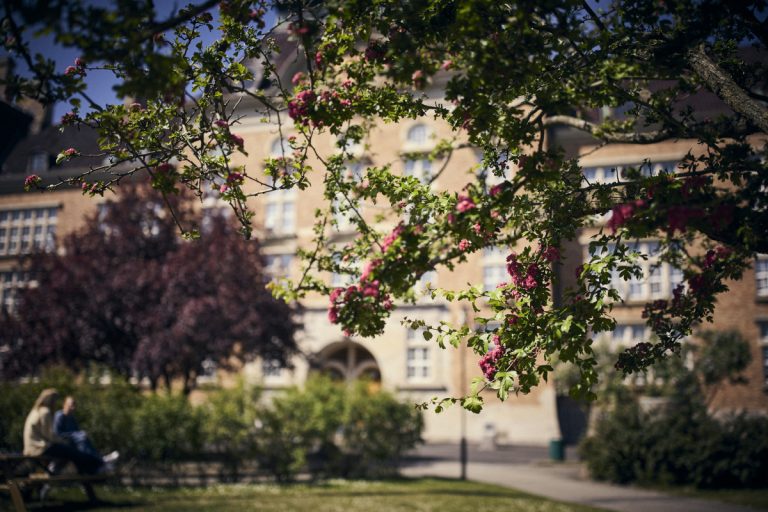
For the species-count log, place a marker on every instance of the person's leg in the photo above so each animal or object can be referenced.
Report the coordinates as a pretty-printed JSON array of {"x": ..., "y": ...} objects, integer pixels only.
[
  {"x": 83, "y": 443},
  {"x": 84, "y": 462}
]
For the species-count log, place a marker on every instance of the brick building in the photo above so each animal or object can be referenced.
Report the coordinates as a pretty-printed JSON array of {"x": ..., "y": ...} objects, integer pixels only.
[{"x": 399, "y": 359}]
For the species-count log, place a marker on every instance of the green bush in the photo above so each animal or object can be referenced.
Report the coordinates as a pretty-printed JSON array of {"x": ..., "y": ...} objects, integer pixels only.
[
  {"x": 681, "y": 445},
  {"x": 167, "y": 428},
  {"x": 336, "y": 429}
]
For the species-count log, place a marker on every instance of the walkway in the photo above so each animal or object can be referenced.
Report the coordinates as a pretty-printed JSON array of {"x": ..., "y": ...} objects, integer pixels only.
[{"x": 561, "y": 482}]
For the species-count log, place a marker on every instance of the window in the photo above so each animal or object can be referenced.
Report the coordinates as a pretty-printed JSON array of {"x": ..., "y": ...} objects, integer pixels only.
[
  {"x": 271, "y": 368},
  {"x": 627, "y": 335},
  {"x": 658, "y": 278},
  {"x": 10, "y": 282},
  {"x": 207, "y": 373},
  {"x": 427, "y": 278},
  {"x": 280, "y": 148},
  {"x": 23, "y": 230},
  {"x": 278, "y": 265},
  {"x": 417, "y": 135},
  {"x": 486, "y": 173},
  {"x": 763, "y": 326},
  {"x": 280, "y": 217},
  {"x": 343, "y": 214},
  {"x": 610, "y": 174},
  {"x": 761, "y": 275},
  {"x": 765, "y": 366},
  {"x": 494, "y": 267},
  {"x": 38, "y": 162},
  {"x": 418, "y": 357},
  {"x": 420, "y": 168}
]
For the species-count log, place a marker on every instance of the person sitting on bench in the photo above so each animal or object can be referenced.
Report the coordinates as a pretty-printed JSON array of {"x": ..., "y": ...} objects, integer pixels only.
[
  {"x": 40, "y": 440},
  {"x": 66, "y": 427}
]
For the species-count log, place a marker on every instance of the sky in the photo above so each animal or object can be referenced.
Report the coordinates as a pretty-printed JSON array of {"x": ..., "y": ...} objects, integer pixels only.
[{"x": 100, "y": 83}]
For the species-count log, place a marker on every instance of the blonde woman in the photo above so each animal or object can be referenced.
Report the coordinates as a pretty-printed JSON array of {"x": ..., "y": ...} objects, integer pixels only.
[{"x": 39, "y": 438}]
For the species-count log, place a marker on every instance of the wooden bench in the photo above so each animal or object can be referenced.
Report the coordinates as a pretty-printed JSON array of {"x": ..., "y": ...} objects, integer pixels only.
[{"x": 22, "y": 474}]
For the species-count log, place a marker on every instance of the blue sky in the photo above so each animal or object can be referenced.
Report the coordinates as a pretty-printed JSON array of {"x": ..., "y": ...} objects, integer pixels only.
[{"x": 100, "y": 83}]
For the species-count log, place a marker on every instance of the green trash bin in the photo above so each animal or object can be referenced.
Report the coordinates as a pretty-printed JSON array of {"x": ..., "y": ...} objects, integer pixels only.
[{"x": 557, "y": 450}]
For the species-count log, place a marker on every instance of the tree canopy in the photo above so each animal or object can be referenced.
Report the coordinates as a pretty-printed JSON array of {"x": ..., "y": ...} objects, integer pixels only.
[
  {"x": 126, "y": 292},
  {"x": 510, "y": 72}
]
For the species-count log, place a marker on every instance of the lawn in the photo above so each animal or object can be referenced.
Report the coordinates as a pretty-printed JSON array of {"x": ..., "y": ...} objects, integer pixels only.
[
  {"x": 755, "y": 498},
  {"x": 417, "y": 495}
]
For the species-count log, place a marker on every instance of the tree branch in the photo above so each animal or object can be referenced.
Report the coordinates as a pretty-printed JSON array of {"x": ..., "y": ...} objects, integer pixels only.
[
  {"x": 593, "y": 128},
  {"x": 721, "y": 83}
]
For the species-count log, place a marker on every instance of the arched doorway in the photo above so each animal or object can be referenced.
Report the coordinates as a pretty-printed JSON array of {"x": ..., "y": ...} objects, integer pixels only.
[{"x": 346, "y": 361}]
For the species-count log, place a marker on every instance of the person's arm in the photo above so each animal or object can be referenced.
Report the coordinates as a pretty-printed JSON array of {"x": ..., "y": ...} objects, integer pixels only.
[
  {"x": 58, "y": 423},
  {"x": 47, "y": 428}
]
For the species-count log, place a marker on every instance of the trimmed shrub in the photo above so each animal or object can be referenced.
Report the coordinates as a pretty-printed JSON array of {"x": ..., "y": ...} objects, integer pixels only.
[
  {"x": 336, "y": 429},
  {"x": 680, "y": 446}
]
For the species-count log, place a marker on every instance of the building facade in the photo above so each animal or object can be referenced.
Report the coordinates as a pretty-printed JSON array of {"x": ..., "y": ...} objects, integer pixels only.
[{"x": 400, "y": 360}]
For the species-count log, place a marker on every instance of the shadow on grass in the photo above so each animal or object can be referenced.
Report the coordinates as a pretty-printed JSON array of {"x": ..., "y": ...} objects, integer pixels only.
[{"x": 74, "y": 506}]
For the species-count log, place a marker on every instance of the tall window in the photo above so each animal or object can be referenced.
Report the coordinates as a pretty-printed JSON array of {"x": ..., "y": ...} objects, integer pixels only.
[
  {"x": 763, "y": 326},
  {"x": 494, "y": 267},
  {"x": 278, "y": 265},
  {"x": 10, "y": 282},
  {"x": 418, "y": 357},
  {"x": 280, "y": 215},
  {"x": 761, "y": 275},
  {"x": 658, "y": 278},
  {"x": 23, "y": 230},
  {"x": 417, "y": 135},
  {"x": 420, "y": 168},
  {"x": 343, "y": 214}
]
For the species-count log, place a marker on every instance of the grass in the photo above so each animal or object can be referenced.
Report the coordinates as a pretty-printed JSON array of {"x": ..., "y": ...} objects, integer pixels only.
[
  {"x": 755, "y": 498},
  {"x": 407, "y": 495}
]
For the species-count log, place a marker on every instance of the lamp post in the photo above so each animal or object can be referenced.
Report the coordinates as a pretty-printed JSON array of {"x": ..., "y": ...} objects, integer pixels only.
[{"x": 463, "y": 412}]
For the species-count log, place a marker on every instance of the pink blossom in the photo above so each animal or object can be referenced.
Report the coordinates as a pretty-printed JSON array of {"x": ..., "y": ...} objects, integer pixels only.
[
  {"x": 551, "y": 253},
  {"x": 579, "y": 271},
  {"x": 464, "y": 244},
  {"x": 417, "y": 75},
  {"x": 497, "y": 189},
  {"x": 512, "y": 319},
  {"x": 369, "y": 267},
  {"x": 679, "y": 216},
  {"x": 319, "y": 59},
  {"x": 221, "y": 123},
  {"x": 298, "y": 77},
  {"x": 446, "y": 65},
  {"x": 465, "y": 203},
  {"x": 620, "y": 215},
  {"x": 390, "y": 238},
  {"x": 335, "y": 294},
  {"x": 79, "y": 62},
  {"x": 333, "y": 315},
  {"x": 69, "y": 118},
  {"x": 33, "y": 180},
  {"x": 224, "y": 188},
  {"x": 71, "y": 70},
  {"x": 371, "y": 289},
  {"x": 70, "y": 152},
  {"x": 236, "y": 140},
  {"x": 451, "y": 218},
  {"x": 477, "y": 228},
  {"x": 714, "y": 255},
  {"x": 347, "y": 84}
]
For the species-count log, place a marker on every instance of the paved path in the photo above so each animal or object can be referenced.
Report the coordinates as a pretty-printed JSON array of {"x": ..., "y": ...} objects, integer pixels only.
[{"x": 563, "y": 482}]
